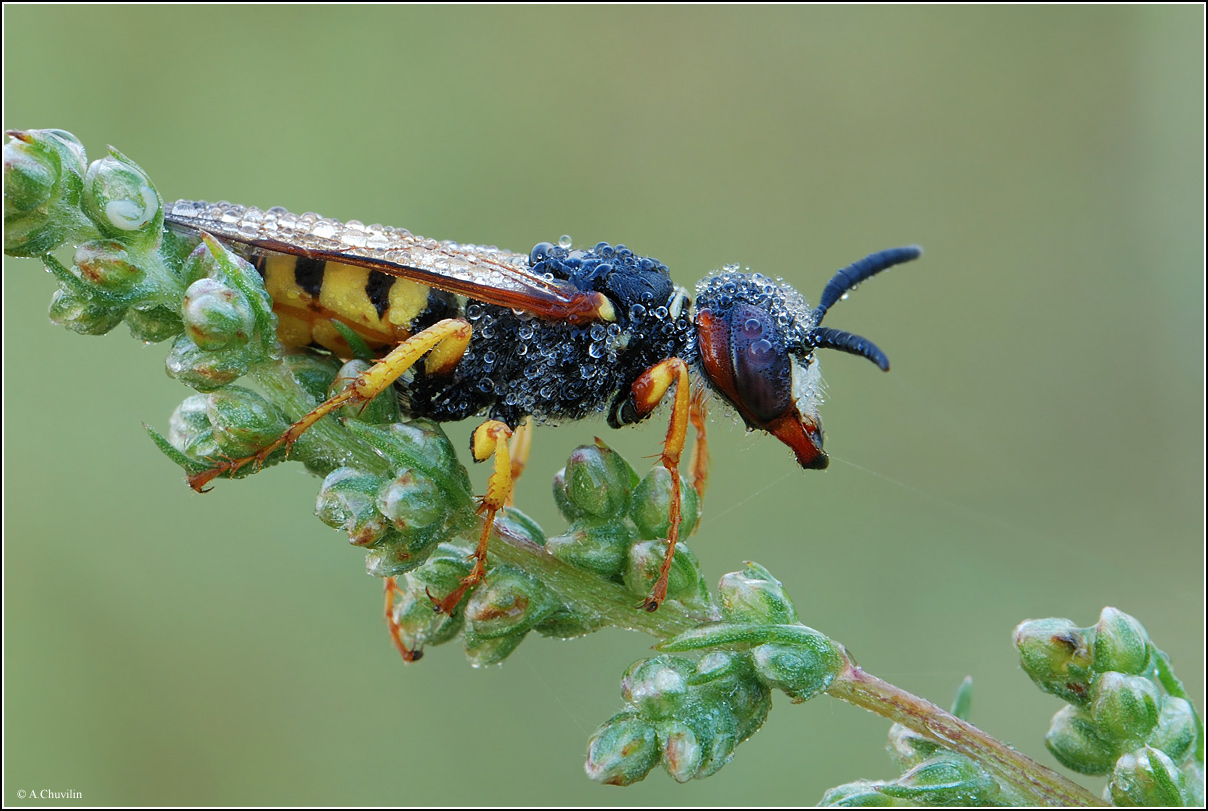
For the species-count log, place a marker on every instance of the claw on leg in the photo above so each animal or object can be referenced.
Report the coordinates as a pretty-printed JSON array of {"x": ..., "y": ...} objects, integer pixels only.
[
  {"x": 490, "y": 439},
  {"x": 396, "y": 633},
  {"x": 648, "y": 391}
]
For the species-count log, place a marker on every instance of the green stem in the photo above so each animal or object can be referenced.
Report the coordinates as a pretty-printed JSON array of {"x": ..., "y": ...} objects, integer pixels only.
[
  {"x": 612, "y": 605},
  {"x": 1037, "y": 784},
  {"x": 606, "y": 604}
]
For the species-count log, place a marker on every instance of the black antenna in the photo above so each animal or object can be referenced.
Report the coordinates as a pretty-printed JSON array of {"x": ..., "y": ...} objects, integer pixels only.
[
  {"x": 826, "y": 338},
  {"x": 847, "y": 278},
  {"x": 840, "y": 284}
]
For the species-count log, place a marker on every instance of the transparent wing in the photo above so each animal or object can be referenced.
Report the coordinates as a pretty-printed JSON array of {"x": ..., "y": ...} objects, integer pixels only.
[{"x": 482, "y": 273}]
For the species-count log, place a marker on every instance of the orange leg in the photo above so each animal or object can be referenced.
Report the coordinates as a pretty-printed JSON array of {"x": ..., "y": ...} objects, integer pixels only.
[
  {"x": 490, "y": 439},
  {"x": 445, "y": 341},
  {"x": 648, "y": 392},
  {"x": 699, "y": 462},
  {"x": 396, "y": 634}
]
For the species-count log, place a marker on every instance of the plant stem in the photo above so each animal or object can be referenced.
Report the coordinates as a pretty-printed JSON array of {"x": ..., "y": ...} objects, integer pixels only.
[
  {"x": 612, "y": 605},
  {"x": 605, "y": 604},
  {"x": 1036, "y": 783}
]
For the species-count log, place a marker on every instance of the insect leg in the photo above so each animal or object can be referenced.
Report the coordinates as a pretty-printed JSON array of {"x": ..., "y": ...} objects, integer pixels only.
[
  {"x": 647, "y": 392},
  {"x": 490, "y": 439},
  {"x": 445, "y": 341},
  {"x": 698, "y": 463},
  {"x": 396, "y": 633},
  {"x": 519, "y": 447}
]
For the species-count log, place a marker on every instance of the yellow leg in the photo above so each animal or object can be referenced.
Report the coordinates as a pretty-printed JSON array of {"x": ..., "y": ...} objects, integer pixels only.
[
  {"x": 648, "y": 390},
  {"x": 446, "y": 340},
  {"x": 490, "y": 439},
  {"x": 519, "y": 447}
]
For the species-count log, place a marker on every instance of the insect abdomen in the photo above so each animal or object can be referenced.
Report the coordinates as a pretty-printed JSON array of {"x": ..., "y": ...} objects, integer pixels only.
[{"x": 309, "y": 293}]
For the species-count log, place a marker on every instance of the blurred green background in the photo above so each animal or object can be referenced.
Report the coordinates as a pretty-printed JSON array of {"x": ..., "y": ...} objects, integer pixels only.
[{"x": 1038, "y": 449}]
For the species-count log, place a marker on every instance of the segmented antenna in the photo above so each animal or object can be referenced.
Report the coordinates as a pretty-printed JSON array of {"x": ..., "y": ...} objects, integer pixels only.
[
  {"x": 850, "y": 276},
  {"x": 839, "y": 285},
  {"x": 825, "y": 338}
]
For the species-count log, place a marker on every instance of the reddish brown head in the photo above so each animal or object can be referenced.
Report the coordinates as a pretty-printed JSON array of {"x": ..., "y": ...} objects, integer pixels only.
[{"x": 756, "y": 338}]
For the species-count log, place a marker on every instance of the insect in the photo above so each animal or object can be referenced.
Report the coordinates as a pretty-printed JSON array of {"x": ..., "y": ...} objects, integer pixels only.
[{"x": 556, "y": 334}]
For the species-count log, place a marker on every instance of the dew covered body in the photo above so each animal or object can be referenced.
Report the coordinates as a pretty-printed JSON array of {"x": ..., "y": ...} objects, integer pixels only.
[
  {"x": 518, "y": 363},
  {"x": 557, "y": 333}
]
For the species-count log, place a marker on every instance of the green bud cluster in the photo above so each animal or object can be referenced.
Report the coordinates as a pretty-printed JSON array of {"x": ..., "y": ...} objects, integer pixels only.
[
  {"x": 688, "y": 716},
  {"x": 619, "y": 524},
  {"x": 229, "y": 325},
  {"x": 1126, "y": 714},
  {"x": 759, "y": 618},
  {"x": 931, "y": 774},
  {"x": 691, "y": 716},
  {"x": 400, "y": 517},
  {"x": 125, "y": 266}
]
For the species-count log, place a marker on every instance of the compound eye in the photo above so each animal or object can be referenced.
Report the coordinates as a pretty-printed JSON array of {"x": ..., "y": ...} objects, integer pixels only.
[{"x": 763, "y": 372}]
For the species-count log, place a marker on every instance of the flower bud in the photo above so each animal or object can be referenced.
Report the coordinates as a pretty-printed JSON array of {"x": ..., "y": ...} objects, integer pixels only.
[
  {"x": 700, "y": 743},
  {"x": 398, "y": 553},
  {"x": 601, "y": 548},
  {"x": 753, "y": 595},
  {"x": 1124, "y": 708},
  {"x": 348, "y": 501},
  {"x": 30, "y": 175},
  {"x": 190, "y": 431},
  {"x": 441, "y": 573},
  {"x": 1121, "y": 643},
  {"x": 244, "y": 422},
  {"x": 861, "y": 794},
  {"x": 217, "y": 316},
  {"x": 1074, "y": 740},
  {"x": 1147, "y": 777},
  {"x": 651, "y": 508},
  {"x": 509, "y": 602},
  {"x": 412, "y": 501},
  {"x": 658, "y": 687},
  {"x": 622, "y": 751},
  {"x": 945, "y": 780},
  {"x": 83, "y": 314},
  {"x": 201, "y": 369},
  {"x": 731, "y": 677},
  {"x": 485, "y": 652},
  {"x": 107, "y": 267},
  {"x": 43, "y": 174},
  {"x": 1056, "y": 654},
  {"x": 154, "y": 324},
  {"x": 418, "y": 624},
  {"x": 685, "y": 582},
  {"x": 419, "y": 445},
  {"x": 802, "y": 670},
  {"x": 1176, "y": 732},
  {"x": 596, "y": 483},
  {"x": 119, "y": 197}
]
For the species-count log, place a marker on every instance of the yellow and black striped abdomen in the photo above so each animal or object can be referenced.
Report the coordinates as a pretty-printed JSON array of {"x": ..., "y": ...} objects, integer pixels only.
[{"x": 309, "y": 293}]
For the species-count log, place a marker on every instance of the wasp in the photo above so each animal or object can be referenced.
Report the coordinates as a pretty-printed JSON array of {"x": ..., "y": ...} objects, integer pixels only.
[{"x": 557, "y": 334}]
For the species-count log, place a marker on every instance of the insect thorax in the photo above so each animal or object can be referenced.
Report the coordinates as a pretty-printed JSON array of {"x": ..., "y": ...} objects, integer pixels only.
[{"x": 517, "y": 364}]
